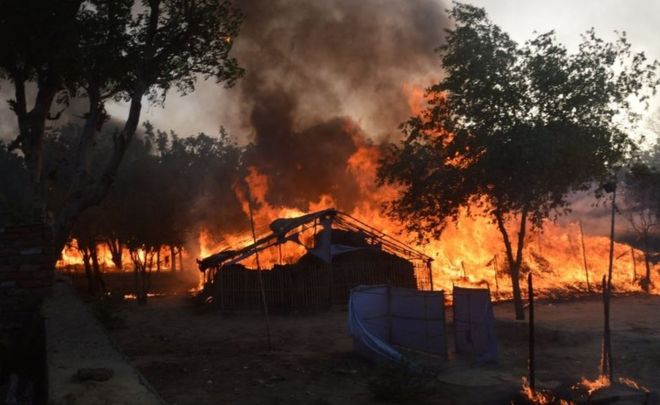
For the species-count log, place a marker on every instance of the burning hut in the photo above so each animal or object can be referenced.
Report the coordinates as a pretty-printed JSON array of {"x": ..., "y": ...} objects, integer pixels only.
[{"x": 336, "y": 252}]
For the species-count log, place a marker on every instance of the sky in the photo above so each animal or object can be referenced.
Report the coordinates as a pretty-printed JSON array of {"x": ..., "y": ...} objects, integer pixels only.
[{"x": 212, "y": 106}]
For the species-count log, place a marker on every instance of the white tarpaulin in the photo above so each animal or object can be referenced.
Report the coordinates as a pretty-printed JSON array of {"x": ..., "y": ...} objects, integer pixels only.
[{"x": 383, "y": 317}]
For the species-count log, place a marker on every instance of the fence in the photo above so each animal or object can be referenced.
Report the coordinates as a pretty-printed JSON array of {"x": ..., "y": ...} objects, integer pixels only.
[{"x": 381, "y": 317}]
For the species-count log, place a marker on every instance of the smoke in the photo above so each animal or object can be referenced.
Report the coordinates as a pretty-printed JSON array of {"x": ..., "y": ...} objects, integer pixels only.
[{"x": 324, "y": 77}]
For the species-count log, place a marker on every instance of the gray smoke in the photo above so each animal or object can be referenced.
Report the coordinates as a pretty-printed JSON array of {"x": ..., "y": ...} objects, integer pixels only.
[{"x": 316, "y": 67}]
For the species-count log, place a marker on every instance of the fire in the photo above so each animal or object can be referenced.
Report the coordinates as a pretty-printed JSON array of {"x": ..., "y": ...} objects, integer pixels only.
[
  {"x": 469, "y": 252},
  {"x": 592, "y": 386},
  {"x": 541, "y": 397},
  {"x": 633, "y": 384},
  {"x": 72, "y": 257}
]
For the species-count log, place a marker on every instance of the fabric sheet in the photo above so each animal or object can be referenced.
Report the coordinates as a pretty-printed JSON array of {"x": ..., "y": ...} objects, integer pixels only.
[
  {"x": 382, "y": 318},
  {"x": 474, "y": 324}
]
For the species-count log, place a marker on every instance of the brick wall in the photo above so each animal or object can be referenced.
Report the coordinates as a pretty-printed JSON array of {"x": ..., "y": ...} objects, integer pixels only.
[{"x": 26, "y": 273}]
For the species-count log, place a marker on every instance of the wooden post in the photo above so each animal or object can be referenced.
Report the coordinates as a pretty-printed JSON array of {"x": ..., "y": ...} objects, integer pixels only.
[
  {"x": 606, "y": 355},
  {"x": 532, "y": 365},
  {"x": 497, "y": 286},
  {"x": 259, "y": 276},
  {"x": 172, "y": 258},
  {"x": 611, "y": 264},
  {"x": 634, "y": 264},
  {"x": 428, "y": 265},
  {"x": 584, "y": 257}
]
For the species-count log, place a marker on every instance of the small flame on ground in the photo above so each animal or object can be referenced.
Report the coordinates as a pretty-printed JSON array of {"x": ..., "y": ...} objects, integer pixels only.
[
  {"x": 541, "y": 397},
  {"x": 633, "y": 384},
  {"x": 592, "y": 386},
  {"x": 131, "y": 297}
]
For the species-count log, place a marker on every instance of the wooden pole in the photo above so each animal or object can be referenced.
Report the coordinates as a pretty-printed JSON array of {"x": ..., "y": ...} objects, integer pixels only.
[
  {"x": 584, "y": 257},
  {"x": 606, "y": 356},
  {"x": 430, "y": 268},
  {"x": 532, "y": 365},
  {"x": 634, "y": 264},
  {"x": 259, "y": 276},
  {"x": 611, "y": 264},
  {"x": 496, "y": 268},
  {"x": 606, "y": 366}
]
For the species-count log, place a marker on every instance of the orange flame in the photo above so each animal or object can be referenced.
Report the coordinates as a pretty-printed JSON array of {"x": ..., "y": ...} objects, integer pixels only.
[
  {"x": 469, "y": 252},
  {"x": 541, "y": 397}
]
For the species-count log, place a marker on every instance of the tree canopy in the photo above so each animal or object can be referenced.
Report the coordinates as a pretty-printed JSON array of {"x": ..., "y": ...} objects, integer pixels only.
[
  {"x": 101, "y": 51},
  {"x": 640, "y": 205},
  {"x": 511, "y": 130}
]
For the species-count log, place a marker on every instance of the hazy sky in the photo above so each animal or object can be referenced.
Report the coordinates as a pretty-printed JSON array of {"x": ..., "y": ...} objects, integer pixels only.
[{"x": 211, "y": 106}]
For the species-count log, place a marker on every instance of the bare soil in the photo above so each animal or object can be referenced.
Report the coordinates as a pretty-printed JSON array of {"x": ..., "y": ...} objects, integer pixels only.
[{"x": 194, "y": 355}]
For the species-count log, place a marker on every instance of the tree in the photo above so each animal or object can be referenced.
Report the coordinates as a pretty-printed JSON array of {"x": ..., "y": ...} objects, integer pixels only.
[
  {"x": 15, "y": 193},
  {"x": 104, "y": 50},
  {"x": 162, "y": 187},
  {"x": 511, "y": 130},
  {"x": 641, "y": 204}
]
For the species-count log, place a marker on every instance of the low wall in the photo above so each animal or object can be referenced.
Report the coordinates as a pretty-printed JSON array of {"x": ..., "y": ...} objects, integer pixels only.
[
  {"x": 26, "y": 273},
  {"x": 26, "y": 278}
]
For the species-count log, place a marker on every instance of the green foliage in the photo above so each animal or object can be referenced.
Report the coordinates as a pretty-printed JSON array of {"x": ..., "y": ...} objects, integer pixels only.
[
  {"x": 104, "y": 50},
  {"x": 514, "y": 129},
  {"x": 640, "y": 204},
  {"x": 15, "y": 193},
  {"x": 167, "y": 184}
]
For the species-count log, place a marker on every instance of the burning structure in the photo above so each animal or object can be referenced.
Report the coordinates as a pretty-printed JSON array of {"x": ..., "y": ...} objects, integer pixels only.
[{"x": 336, "y": 253}]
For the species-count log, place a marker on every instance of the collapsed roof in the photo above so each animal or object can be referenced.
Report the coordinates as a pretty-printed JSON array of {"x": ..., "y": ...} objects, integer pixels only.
[{"x": 284, "y": 230}]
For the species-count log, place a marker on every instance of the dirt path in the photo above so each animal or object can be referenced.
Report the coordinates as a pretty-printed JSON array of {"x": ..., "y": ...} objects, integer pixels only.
[{"x": 207, "y": 358}]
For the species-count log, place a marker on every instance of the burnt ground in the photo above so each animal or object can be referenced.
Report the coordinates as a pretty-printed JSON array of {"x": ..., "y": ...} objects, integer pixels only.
[{"x": 200, "y": 356}]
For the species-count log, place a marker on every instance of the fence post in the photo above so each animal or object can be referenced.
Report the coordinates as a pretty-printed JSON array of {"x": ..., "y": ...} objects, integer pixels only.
[{"x": 532, "y": 365}]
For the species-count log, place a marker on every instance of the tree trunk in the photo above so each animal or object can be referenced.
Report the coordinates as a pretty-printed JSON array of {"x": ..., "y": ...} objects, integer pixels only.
[
  {"x": 115, "y": 252},
  {"x": 172, "y": 258},
  {"x": 158, "y": 260},
  {"x": 514, "y": 262},
  {"x": 99, "y": 284},
  {"x": 181, "y": 258},
  {"x": 88, "y": 271},
  {"x": 139, "y": 268},
  {"x": 31, "y": 127},
  {"x": 647, "y": 282},
  {"x": 85, "y": 194}
]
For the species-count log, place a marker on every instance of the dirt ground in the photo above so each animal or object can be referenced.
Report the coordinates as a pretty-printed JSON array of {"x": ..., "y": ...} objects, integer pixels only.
[{"x": 194, "y": 356}]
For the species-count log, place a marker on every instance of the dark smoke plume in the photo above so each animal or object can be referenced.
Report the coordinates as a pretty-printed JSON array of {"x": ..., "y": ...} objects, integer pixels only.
[{"x": 316, "y": 68}]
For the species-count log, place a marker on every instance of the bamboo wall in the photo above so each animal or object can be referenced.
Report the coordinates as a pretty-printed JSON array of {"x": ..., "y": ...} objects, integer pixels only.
[{"x": 311, "y": 285}]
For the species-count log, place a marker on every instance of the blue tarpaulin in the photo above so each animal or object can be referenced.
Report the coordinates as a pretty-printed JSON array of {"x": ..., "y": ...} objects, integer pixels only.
[
  {"x": 474, "y": 324},
  {"x": 382, "y": 318}
]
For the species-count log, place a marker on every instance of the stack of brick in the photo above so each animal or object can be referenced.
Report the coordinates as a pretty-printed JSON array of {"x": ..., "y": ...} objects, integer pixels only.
[{"x": 26, "y": 273}]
